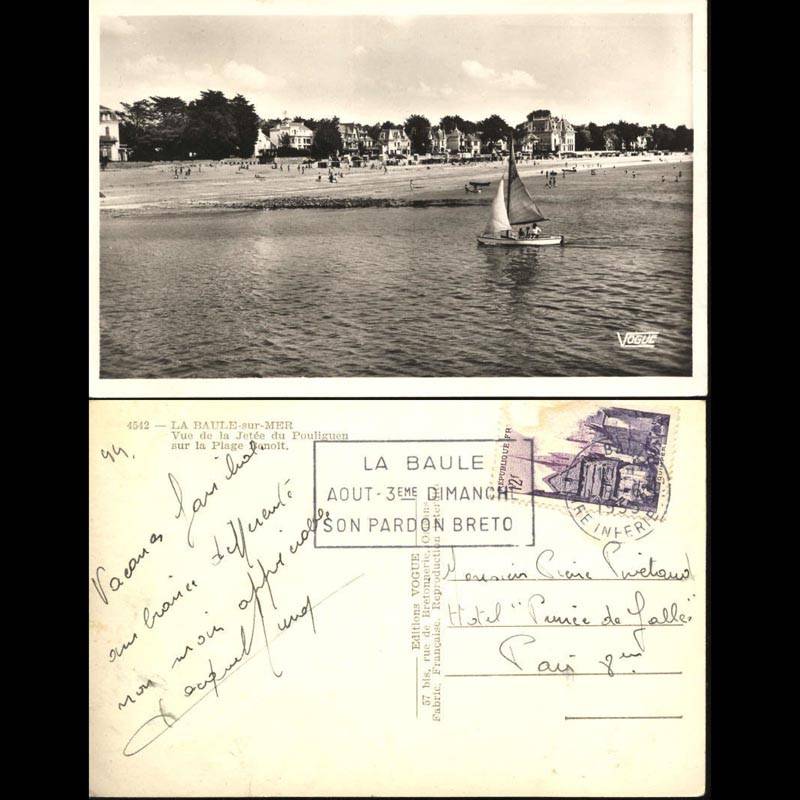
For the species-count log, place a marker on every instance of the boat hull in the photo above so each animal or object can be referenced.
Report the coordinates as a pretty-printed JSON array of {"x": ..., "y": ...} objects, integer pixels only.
[{"x": 539, "y": 241}]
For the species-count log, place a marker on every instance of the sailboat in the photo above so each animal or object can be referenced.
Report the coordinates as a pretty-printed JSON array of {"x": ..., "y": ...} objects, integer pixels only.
[{"x": 514, "y": 206}]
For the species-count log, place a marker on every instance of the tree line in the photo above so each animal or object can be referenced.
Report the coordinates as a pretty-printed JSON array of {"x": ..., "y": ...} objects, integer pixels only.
[
  {"x": 214, "y": 126},
  {"x": 169, "y": 128},
  {"x": 624, "y": 136}
]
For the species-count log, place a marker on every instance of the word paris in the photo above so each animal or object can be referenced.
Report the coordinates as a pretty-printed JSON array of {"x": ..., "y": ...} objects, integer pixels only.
[{"x": 414, "y": 463}]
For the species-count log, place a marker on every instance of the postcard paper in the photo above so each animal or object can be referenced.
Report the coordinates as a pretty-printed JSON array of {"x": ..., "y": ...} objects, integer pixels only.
[
  {"x": 307, "y": 199},
  {"x": 418, "y": 598}
]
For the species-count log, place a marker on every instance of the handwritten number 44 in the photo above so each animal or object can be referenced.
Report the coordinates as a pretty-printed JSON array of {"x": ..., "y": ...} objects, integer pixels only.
[{"x": 115, "y": 452}]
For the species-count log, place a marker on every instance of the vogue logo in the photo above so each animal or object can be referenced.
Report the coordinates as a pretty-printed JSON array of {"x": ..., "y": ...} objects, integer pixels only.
[{"x": 637, "y": 339}]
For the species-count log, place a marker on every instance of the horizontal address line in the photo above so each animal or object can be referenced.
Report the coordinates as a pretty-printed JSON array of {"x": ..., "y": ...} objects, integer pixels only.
[
  {"x": 489, "y": 625},
  {"x": 557, "y": 580},
  {"x": 552, "y": 674},
  {"x": 643, "y": 717}
]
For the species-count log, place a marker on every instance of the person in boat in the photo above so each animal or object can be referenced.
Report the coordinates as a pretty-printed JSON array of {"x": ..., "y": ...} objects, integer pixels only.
[{"x": 534, "y": 231}]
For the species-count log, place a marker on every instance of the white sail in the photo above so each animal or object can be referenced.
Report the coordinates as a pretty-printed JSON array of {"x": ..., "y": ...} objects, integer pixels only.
[{"x": 498, "y": 221}]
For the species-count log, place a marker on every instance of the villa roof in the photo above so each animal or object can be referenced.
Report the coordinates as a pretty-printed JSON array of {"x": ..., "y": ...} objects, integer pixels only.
[{"x": 290, "y": 123}]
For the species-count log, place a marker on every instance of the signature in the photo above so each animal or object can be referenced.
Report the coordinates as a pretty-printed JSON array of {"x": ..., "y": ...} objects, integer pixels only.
[
  {"x": 265, "y": 624},
  {"x": 157, "y": 725}
]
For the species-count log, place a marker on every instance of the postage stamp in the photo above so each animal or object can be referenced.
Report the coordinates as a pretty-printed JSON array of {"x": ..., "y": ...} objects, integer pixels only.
[{"x": 608, "y": 471}]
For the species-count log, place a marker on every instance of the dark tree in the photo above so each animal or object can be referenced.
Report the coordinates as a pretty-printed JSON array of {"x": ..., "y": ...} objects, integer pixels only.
[
  {"x": 493, "y": 128},
  {"x": 684, "y": 138},
  {"x": 417, "y": 129},
  {"x": 169, "y": 134},
  {"x": 596, "y": 134},
  {"x": 448, "y": 122},
  {"x": 139, "y": 119},
  {"x": 451, "y": 122},
  {"x": 327, "y": 139},
  {"x": 663, "y": 138},
  {"x": 245, "y": 122},
  {"x": 211, "y": 132},
  {"x": 583, "y": 138},
  {"x": 161, "y": 128},
  {"x": 628, "y": 133},
  {"x": 611, "y": 140}
]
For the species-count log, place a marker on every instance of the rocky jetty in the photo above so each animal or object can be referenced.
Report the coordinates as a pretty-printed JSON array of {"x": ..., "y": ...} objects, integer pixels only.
[{"x": 279, "y": 203}]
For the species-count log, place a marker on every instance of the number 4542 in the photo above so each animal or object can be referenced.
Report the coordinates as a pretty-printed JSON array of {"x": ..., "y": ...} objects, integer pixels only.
[{"x": 138, "y": 425}]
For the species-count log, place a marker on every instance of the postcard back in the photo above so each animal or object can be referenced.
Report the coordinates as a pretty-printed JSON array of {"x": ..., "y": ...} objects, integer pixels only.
[{"x": 416, "y": 597}]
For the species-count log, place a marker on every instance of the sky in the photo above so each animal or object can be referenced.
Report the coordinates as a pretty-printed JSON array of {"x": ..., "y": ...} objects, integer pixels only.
[{"x": 587, "y": 68}]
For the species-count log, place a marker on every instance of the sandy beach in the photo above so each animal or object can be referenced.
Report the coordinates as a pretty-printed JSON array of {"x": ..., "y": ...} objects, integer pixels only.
[{"x": 136, "y": 189}]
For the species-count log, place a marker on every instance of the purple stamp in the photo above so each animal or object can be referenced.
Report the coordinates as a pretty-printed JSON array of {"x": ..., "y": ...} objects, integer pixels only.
[{"x": 608, "y": 471}]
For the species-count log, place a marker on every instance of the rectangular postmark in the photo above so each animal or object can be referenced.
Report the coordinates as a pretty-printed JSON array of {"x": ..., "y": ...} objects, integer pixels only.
[{"x": 424, "y": 493}]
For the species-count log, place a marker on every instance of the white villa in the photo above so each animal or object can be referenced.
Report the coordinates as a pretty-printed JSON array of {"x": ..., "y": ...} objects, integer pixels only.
[
  {"x": 300, "y": 137},
  {"x": 355, "y": 138},
  {"x": 468, "y": 144},
  {"x": 528, "y": 145},
  {"x": 438, "y": 140},
  {"x": 110, "y": 146},
  {"x": 394, "y": 142},
  {"x": 645, "y": 140},
  {"x": 263, "y": 145},
  {"x": 472, "y": 144},
  {"x": 553, "y": 134}
]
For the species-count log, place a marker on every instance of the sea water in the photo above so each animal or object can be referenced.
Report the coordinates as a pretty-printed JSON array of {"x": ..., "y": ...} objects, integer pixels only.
[{"x": 404, "y": 291}]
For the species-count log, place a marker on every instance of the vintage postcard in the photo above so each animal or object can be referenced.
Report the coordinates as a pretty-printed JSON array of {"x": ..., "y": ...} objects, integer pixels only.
[
  {"x": 355, "y": 199},
  {"x": 419, "y": 598}
]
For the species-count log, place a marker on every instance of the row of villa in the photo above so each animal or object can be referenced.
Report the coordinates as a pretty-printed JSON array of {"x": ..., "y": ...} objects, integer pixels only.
[
  {"x": 392, "y": 142},
  {"x": 543, "y": 133}
]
